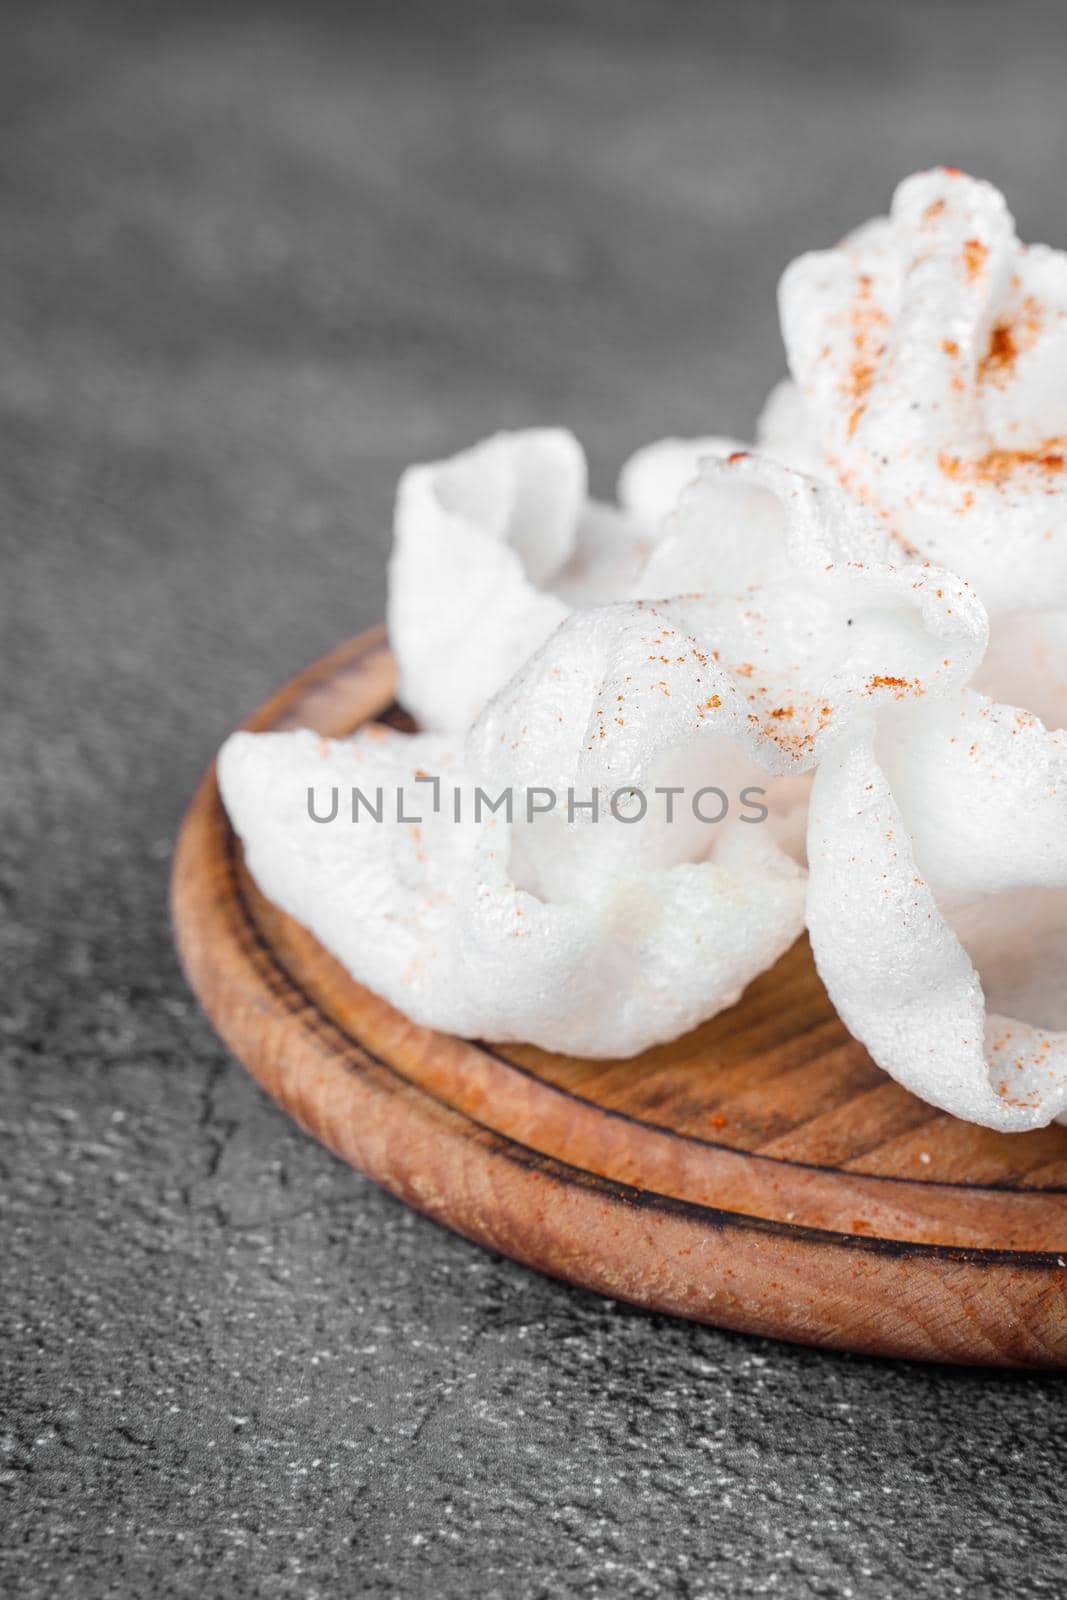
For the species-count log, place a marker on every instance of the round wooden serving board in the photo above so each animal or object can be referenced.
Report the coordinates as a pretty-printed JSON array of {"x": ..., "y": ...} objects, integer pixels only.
[{"x": 759, "y": 1174}]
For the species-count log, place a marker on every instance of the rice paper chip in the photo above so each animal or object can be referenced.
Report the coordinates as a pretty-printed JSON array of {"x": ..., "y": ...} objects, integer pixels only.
[
  {"x": 475, "y": 540},
  {"x": 622, "y": 700},
  {"x": 436, "y": 916},
  {"x": 604, "y": 936},
  {"x": 785, "y": 593},
  {"x": 937, "y": 904},
  {"x": 386, "y": 886},
  {"x": 654, "y": 477},
  {"x": 494, "y": 547},
  {"x": 930, "y": 348},
  {"x": 785, "y": 430},
  {"x": 731, "y": 690}
]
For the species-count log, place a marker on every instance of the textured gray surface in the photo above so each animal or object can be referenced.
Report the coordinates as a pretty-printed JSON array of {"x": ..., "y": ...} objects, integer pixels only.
[{"x": 252, "y": 263}]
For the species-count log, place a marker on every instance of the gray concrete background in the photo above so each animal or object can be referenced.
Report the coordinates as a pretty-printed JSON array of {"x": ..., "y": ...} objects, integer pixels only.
[{"x": 252, "y": 262}]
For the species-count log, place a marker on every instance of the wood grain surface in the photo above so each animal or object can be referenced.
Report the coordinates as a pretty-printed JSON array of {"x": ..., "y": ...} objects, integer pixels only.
[{"x": 760, "y": 1173}]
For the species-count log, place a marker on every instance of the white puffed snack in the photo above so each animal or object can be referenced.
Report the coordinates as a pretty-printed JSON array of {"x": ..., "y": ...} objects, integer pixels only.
[
  {"x": 652, "y": 480},
  {"x": 605, "y": 936},
  {"x": 603, "y": 831},
  {"x": 937, "y": 903},
  {"x": 494, "y": 547},
  {"x": 930, "y": 349},
  {"x": 451, "y": 923},
  {"x": 798, "y": 625},
  {"x": 476, "y": 539},
  {"x": 790, "y": 586}
]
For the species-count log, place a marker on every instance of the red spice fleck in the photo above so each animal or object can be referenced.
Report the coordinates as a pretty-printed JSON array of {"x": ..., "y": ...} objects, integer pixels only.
[
  {"x": 975, "y": 256},
  {"x": 997, "y": 466},
  {"x": 1007, "y": 343},
  {"x": 717, "y": 1120},
  {"x": 738, "y": 455},
  {"x": 865, "y": 317},
  {"x": 1002, "y": 350}
]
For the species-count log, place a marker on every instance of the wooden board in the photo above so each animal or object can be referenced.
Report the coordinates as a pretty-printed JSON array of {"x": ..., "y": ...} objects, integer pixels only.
[{"x": 758, "y": 1174}]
